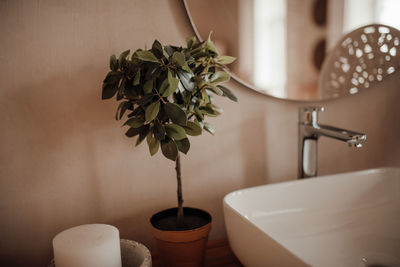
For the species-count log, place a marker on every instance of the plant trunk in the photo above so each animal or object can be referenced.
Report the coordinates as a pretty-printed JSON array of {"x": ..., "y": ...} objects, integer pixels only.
[{"x": 180, "y": 218}]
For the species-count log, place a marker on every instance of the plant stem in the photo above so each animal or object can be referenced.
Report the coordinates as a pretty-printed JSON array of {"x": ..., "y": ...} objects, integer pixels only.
[
  {"x": 180, "y": 218},
  {"x": 161, "y": 98}
]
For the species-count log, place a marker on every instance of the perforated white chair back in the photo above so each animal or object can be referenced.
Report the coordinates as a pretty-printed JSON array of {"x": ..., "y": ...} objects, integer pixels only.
[{"x": 361, "y": 58}]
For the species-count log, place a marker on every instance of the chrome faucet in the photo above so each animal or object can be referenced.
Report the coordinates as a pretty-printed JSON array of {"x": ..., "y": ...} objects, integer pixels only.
[{"x": 309, "y": 132}]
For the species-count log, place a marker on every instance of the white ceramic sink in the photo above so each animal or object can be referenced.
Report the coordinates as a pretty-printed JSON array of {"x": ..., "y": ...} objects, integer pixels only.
[{"x": 350, "y": 219}]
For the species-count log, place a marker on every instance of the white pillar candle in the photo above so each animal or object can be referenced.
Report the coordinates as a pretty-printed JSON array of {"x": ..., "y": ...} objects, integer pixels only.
[{"x": 90, "y": 245}]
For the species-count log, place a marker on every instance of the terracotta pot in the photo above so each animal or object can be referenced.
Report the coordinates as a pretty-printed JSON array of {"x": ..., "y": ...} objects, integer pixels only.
[{"x": 182, "y": 247}]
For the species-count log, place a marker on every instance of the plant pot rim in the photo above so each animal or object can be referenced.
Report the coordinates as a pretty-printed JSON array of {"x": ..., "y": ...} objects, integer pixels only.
[
  {"x": 181, "y": 236},
  {"x": 206, "y": 215}
]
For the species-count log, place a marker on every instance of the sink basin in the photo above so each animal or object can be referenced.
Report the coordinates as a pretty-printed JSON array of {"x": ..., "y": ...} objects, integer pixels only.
[{"x": 349, "y": 219}]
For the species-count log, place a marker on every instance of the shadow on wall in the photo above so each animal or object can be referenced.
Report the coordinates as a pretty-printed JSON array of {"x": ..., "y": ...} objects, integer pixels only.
[{"x": 48, "y": 162}]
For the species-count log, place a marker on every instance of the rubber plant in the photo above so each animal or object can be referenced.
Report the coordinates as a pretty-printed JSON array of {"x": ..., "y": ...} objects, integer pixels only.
[{"x": 167, "y": 93}]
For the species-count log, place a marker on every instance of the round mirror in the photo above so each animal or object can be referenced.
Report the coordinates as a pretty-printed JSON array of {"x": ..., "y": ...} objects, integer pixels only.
[{"x": 281, "y": 45}]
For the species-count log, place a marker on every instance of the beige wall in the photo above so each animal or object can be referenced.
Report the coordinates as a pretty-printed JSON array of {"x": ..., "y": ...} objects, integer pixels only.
[{"x": 64, "y": 161}]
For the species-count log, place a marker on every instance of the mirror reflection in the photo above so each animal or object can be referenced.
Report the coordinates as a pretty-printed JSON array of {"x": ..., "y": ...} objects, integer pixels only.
[{"x": 281, "y": 44}]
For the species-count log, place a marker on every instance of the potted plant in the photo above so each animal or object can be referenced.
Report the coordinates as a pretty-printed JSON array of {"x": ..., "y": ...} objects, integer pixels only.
[{"x": 167, "y": 92}]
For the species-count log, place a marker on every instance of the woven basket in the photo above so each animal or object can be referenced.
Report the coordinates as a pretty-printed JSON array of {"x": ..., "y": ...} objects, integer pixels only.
[{"x": 133, "y": 254}]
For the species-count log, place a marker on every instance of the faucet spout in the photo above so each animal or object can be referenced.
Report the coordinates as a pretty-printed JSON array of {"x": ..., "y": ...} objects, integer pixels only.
[
  {"x": 353, "y": 139},
  {"x": 310, "y": 131}
]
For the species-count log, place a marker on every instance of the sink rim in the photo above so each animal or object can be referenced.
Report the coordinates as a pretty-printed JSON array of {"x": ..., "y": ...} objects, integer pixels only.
[{"x": 318, "y": 179}]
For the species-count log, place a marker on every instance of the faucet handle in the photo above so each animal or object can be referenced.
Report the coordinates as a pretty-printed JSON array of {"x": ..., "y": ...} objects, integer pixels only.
[{"x": 309, "y": 115}]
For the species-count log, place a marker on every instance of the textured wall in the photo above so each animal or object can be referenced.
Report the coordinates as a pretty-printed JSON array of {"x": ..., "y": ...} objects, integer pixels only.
[{"x": 64, "y": 161}]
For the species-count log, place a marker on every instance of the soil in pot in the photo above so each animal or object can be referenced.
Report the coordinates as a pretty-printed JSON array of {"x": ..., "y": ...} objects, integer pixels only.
[
  {"x": 184, "y": 246},
  {"x": 193, "y": 218}
]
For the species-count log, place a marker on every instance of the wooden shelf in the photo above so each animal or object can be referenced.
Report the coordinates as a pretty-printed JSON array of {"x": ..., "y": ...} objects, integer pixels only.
[{"x": 218, "y": 254}]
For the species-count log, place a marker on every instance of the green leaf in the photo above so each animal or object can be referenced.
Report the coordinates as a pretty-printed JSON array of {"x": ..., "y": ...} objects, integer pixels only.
[
  {"x": 169, "y": 150},
  {"x": 165, "y": 54},
  {"x": 216, "y": 90},
  {"x": 152, "y": 72},
  {"x": 199, "y": 114},
  {"x": 153, "y": 144},
  {"x": 152, "y": 111},
  {"x": 131, "y": 93},
  {"x": 204, "y": 96},
  {"x": 122, "y": 57},
  {"x": 176, "y": 114},
  {"x": 190, "y": 41},
  {"x": 210, "y": 45},
  {"x": 199, "y": 54},
  {"x": 121, "y": 88},
  {"x": 196, "y": 47},
  {"x": 139, "y": 111},
  {"x": 142, "y": 131},
  {"x": 171, "y": 78},
  {"x": 175, "y": 131},
  {"x": 146, "y": 99},
  {"x": 192, "y": 128},
  {"x": 172, "y": 85},
  {"x": 119, "y": 96},
  {"x": 117, "y": 114},
  {"x": 186, "y": 68},
  {"x": 159, "y": 131},
  {"x": 186, "y": 79},
  {"x": 112, "y": 77},
  {"x": 147, "y": 56},
  {"x": 228, "y": 93},
  {"x": 122, "y": 107},
  {"x": 141, "y": 137},
  {"x": 209, "y": 128},
  {"x": 157, "y": 49},
  {"x": 134, "y": 131},
  {"x": 183, "y": 145},
  {"x": 134, "y": 122},
  {"x": 225, "y": 59},
  {"x": 136, "y": 80},
  {"x": 164, "y": 86},
  {"x": 219, "y": 76},
  {"x": 178, "y": 58},
  {"x": 148, "y": 86},
  {"x": 169, "y": 50},
  {"x": 109, "y": 91},
  {"x": 113, "y": 63},
  {"x": 211, "y": 110}
]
